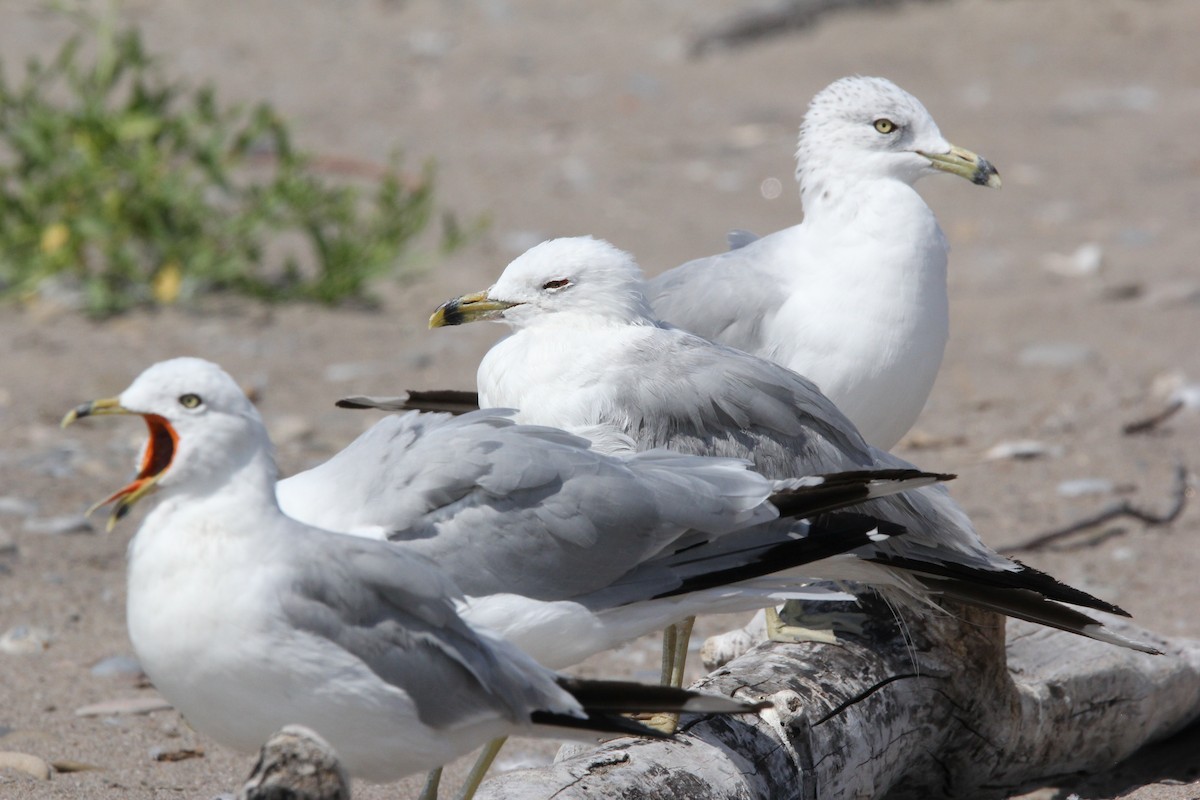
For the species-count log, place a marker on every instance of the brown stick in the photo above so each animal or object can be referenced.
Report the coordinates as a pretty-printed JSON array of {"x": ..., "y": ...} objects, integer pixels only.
[{"x": 1179, "y": 497}]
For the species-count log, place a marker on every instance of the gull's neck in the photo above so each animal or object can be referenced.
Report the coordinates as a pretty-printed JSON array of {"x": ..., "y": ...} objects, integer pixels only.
[
  {"x": 837, "y": 199},
  {"x": 235, "y": 501}
]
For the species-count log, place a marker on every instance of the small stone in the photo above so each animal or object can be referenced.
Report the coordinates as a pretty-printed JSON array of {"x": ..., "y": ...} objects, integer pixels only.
[
  {"x": 348, "y": 371},
  {"x": 1188, "y": 396},
  {"x": 25, "y": 640},
  {"x": 1085, "y": 261},
  {"x": 1054, "y": 354},
  {"x": 67, "y": 765},
  {"x": 1022, "y": 449},
  {"x": 58, "y": 526},
  {"x": 178, "y": 754},
  {"x": 23, "y": 762},
  {"x": 1080, "y": 487},
  {"x": 17, "y": 506},
  {"x": 122, "y": 666},
  {"x": 142, "y": 704},
  {"x": 8, "y": 546}
]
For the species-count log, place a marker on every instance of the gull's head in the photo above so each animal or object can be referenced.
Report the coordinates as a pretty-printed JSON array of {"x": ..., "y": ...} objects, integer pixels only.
[
  {"x": 871, "y": 128},
  {"x": 201, "y": 425},
  {"x": 565, "y": 281}
]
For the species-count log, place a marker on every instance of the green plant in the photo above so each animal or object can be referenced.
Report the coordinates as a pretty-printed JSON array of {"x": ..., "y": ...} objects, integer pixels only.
[{"x": 137, "y": 189}]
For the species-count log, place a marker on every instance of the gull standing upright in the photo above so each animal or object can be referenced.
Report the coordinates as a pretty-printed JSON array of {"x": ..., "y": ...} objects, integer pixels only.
[
  {"x": 248, "y": 621},
  {"x": 586, "y": 353},
  {"x": 854, "y": 297}
]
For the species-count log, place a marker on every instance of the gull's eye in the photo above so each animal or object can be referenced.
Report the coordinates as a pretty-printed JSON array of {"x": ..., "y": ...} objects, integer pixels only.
[
  {"x": 885, "y": 126},
  {"x": 555, "y": 284},
  {"x": 190, "y": 400}
]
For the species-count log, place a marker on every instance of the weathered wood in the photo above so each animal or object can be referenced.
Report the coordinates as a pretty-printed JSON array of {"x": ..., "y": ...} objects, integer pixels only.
[
  {"x": 296, "y": 764},
  {"x": 936, "y": 714}
]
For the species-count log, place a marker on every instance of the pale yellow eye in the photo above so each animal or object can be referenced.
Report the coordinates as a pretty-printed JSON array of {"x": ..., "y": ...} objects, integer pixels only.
[
  {"x": 885, "y": 126},
  {"x": 189, "y": 400}
]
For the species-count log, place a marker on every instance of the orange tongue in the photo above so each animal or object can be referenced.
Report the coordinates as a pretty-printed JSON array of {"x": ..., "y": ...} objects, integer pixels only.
[{"x": 157, "y": 457}]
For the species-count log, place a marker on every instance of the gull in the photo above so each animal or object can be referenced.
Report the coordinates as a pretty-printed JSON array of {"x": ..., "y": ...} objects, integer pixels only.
[
  {"x": 587, "y": 352},
  {"x": 566, "y": 551},
  {"x": 854, "y": 297},
  {"x": 248, "y": 620}
]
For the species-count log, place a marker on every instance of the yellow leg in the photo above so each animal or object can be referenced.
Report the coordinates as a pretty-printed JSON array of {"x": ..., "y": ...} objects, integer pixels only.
[
  {"x": 683, "y": 638},
  {"x": 670, "y": 636},
  {"x": 482, "y": 764},
  {"x": 430, "y": 790},
  {"x": 674, "y": 662}
]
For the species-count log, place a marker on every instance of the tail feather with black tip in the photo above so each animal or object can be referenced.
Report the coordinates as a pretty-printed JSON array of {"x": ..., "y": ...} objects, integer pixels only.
[
  {"x": 815, "y": 494},
  {"x": 450, "y": 401},
  {"x": 737, "y": 559},
  {"x": 1031, "y": 606},
  {"x": 606, "y": 701}
]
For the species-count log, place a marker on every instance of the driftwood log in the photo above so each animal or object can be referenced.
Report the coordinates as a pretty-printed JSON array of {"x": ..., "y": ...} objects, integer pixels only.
[
  {"x": 933, "y": 708},
  {"x": 930, "y": 708}
]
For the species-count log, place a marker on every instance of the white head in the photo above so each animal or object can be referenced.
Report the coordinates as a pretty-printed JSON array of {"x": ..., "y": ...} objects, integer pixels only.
[
  {"x": 558, "y": 281},
  {"x": 867, "y": 128},
  {"x": 202, "y": 427}
]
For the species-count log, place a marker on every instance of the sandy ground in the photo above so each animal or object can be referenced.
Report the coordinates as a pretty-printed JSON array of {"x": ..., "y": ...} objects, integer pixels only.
[{"x": 560, "y": 120}]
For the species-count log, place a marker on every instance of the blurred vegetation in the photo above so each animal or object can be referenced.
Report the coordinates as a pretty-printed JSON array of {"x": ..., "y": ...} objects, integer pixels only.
[{"x": 127, "y": 188}]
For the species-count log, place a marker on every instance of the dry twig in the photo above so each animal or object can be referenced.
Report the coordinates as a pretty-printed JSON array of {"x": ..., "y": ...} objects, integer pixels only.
[{"x": 1179, "y": 496}]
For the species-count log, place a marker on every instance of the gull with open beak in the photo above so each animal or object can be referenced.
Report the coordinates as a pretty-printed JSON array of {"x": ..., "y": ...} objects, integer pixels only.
[
  {"x": 248, "y": 620},
  {"x": 156, "y": 456}
]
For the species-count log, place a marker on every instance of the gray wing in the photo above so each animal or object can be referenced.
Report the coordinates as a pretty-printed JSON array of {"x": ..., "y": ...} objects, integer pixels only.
[
  {"x": 720, "y": 401},
  {"x": 519, "y": 508},
  {"x": 725, "y": 297},
  {"x": 393, "y": 611},
  {"x": 711, "y": 399}
]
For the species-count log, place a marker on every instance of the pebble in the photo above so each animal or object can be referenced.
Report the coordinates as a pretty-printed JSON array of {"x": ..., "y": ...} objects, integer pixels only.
[
  {"x": 17, "y": 506},
  {"x": 142, "y": 704},
  {"x": 8, "y": 546},
  {"x": 1054, "y": 354},
  {"x": 1084, "y": 262},
  {"x": 67, "y": 765},
  {"x": 25, "y": 640},
  {"x": 1172, "y": 294},
  {"x": 57, "y": 526},
  {"x": 176, "y": 754},
  {"x": 1188, "y": 395},
  {"x": 1080, "y": 487},
  {"x": 1022, "y": 449},
  {"x": 23, "y": 762},
  {"x": 121, "y": 666},
  {"x": 349, "y": 371}
]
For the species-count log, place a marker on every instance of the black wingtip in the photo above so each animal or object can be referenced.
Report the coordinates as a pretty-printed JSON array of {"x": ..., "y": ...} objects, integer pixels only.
[{"x": 821, "y": 493}]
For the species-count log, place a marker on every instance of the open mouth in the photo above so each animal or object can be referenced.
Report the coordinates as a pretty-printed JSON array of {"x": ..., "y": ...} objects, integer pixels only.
[{"x": 160, "y": 450}]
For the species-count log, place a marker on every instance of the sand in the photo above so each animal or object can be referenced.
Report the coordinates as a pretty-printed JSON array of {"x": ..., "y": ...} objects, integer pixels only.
[{"x": 556, "y": 120}]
